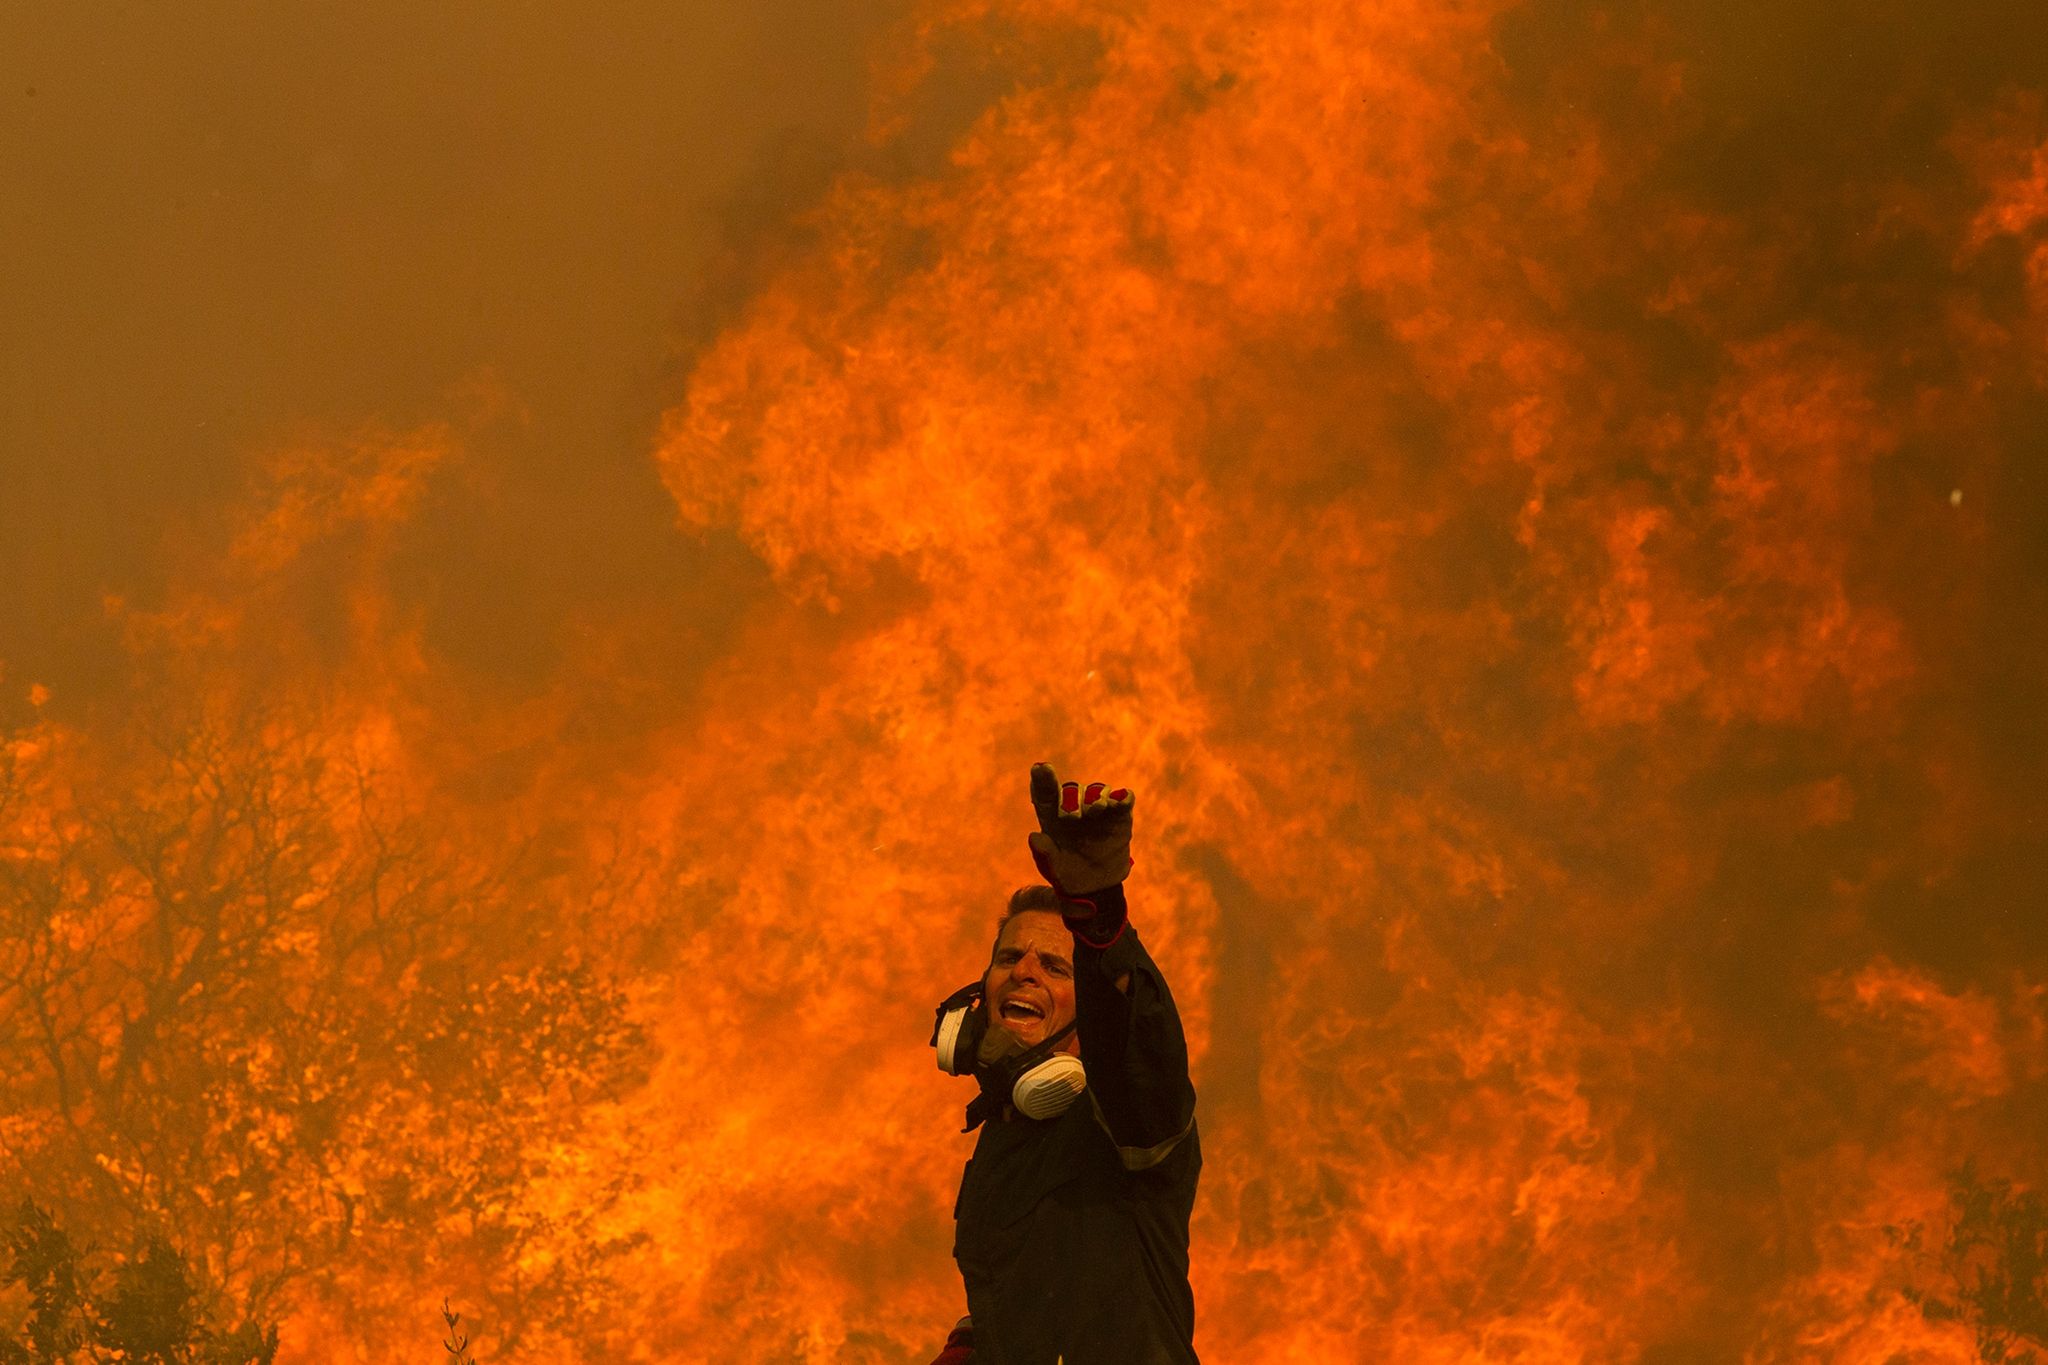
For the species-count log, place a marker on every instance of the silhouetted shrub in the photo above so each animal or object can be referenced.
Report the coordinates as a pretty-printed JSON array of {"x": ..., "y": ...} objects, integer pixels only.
[
  {"x": 1997, "y": 1259},
  {"x": 151, "y": 1312}
]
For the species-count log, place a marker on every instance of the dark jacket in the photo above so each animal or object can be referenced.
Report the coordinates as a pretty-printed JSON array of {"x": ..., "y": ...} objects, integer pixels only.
[{"x": 1072, "y": 1232}]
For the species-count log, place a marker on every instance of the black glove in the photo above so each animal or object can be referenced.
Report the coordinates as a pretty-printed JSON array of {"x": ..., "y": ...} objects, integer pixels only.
[{"x": 1083, "y": 846}]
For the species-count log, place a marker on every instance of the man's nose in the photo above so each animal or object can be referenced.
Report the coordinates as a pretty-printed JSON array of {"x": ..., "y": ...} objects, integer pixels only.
[{"x": 1029, "y": 966}]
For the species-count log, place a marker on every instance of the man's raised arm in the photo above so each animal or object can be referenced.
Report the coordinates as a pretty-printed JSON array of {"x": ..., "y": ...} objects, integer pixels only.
[{"x": 1131, "y": 1041}]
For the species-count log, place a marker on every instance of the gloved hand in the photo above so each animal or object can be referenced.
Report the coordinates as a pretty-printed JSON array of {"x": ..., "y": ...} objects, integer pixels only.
[{"x": 1084, "y": 839}]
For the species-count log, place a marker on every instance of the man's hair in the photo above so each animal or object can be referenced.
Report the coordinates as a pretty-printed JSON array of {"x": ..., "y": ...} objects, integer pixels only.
[{"x": 1022, "y": 899}]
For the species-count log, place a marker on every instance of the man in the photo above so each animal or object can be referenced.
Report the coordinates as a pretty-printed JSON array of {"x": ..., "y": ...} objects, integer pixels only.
[{"x": 1072, "y": 1221}]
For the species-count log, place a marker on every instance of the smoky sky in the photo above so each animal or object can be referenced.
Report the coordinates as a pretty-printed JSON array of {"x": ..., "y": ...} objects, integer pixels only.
[{"x": 232, "y": 227}]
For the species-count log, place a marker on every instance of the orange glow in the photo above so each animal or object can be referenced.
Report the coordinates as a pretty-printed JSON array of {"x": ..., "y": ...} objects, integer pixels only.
[{"x": 1583, "y": 794}]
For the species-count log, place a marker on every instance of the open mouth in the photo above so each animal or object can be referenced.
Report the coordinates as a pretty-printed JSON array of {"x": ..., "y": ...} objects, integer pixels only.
[{"x": 1022, "y": 1011}]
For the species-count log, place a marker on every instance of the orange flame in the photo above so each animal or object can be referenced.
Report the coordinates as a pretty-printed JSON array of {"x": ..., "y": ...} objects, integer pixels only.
[{"x": 1558, "y": 621}]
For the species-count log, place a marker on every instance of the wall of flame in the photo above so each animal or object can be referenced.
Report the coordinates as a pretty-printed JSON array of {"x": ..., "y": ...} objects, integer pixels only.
[{"x": 1558, "y": 555}]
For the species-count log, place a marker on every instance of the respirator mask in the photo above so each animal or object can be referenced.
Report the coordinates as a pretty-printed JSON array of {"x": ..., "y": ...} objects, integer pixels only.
[{"x": 1040, "y": 1082}]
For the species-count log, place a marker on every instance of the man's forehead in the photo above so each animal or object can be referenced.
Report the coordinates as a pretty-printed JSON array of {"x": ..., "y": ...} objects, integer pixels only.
[{"x": 1040, "y": 929}]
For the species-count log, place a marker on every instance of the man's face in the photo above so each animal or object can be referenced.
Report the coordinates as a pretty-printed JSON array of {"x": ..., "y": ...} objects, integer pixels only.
[{"x": 1030, "y": 983}]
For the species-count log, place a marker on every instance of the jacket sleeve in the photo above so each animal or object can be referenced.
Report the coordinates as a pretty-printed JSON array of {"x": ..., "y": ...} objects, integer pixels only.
[{"x": 1131, "y": 1041}]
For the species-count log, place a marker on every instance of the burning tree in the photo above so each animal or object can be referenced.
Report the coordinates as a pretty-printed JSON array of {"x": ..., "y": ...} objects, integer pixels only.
[
  {"x": 1994, "y": 1267},
  {"x": 249, "y": 1006}
]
